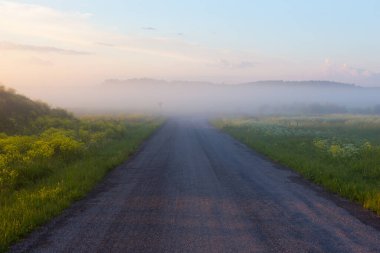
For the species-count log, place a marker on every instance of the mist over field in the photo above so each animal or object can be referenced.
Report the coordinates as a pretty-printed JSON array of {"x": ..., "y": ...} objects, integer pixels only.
[{"x": 181, "y": 97}]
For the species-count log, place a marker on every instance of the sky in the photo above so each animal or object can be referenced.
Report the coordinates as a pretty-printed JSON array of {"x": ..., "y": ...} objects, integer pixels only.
[{"x": 69, "y": 43}]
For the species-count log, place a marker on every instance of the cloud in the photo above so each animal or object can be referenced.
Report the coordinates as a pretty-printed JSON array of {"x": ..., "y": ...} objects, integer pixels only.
[
  {"x": 36, "y": 31},
  {"x": 347, "y": 73},
  {"x": 105, "y": 44},
  {"x": 245, "y": 64},
  {"x": 32, "y": 22},
  {"x": 237, "y": 65},
  {"x": 356, "y": 72},
  {"x": 40, "y": 62},
  {"x": 149, "y": 28},
  {"x": 60, "y": 30},
  {"x": 39, "y": 49},
  {"x": 27, "y": 24}
]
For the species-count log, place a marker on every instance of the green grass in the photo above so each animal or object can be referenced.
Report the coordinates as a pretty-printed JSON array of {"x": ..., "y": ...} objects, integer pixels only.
[
  {"x": 341, "y": 153},
  {"x": 24, "y": 208}
]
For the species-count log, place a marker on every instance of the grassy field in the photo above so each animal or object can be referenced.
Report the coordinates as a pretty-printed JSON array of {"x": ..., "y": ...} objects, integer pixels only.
[
  {"x": 341, "y": 153},
  {"x": 44, "y": 172}
]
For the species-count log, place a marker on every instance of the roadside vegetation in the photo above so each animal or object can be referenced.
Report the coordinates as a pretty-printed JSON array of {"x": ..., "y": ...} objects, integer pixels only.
[
  {"x": 339, "y": 152},
  {"x": 49, "y": 158}
]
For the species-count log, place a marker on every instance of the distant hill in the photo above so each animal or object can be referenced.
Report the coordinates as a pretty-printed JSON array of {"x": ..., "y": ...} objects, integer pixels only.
[
  {"x": 17, "y": 112},
  {"x": 317, "y": 84},
  {"x": 181, "y": 97},
  {"x": 273, "y": 96},
  {"x": 268, "y": 83}
]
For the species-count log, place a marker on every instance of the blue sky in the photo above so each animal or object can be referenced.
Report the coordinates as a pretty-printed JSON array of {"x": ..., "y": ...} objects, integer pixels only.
[{"x": 233, "y": 41}]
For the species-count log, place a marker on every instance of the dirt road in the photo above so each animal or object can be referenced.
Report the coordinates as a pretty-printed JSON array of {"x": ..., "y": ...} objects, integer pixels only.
[{"x": 194, "y": 189}]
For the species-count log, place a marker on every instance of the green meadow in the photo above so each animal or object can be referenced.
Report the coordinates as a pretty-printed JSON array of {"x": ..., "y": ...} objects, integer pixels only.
[
  {"x": 42, "y": 174},
  {"x": 339, "y": 152},
  {"x": 50, "y": 158}
]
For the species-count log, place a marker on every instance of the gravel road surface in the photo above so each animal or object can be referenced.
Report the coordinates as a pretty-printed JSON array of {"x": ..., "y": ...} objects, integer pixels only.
[{"x": 192, "y": 188}]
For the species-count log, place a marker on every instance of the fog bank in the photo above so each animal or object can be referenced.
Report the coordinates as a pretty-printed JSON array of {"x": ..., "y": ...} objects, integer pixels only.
[{"x": 179, "y": 97}]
